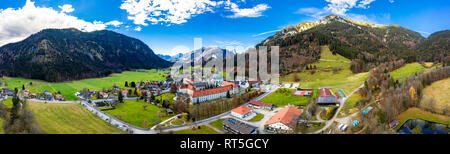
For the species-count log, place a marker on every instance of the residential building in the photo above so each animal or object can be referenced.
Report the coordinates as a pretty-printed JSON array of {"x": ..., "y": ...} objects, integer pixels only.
[
  {"x": 260, "y": 105},
  {"x": 238, "y": 127},
  {"x": 285, "y": 120},
  {"x": 210, "y": 94},
  {"x": 241, "y": 112}
]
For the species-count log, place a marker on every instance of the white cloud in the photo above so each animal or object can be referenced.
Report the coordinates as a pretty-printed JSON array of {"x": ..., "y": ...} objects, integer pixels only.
[
  {"x": 365, "y": 3},
  {"x": 138, "y": 28},
  {"x": 143, "y": 12},
  {"x": 66, "y": 8},
  {"x": 114, "y": 23},
  {"x": 169, "y": 11},
  {"x": 391, "y": 1},
  {"x": 246, "y": 12},
  {"x": 18, "y": 24}
]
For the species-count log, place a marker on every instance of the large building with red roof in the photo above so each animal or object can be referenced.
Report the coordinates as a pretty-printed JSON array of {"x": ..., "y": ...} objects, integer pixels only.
[
  {"x": 284, "y": 120},
  {"x": 199, "y": 95},
  {"x": 241, "y": 111}
]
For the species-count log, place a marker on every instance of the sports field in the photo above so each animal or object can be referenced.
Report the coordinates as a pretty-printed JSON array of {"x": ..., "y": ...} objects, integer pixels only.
[{"x": 68, "y": 89}]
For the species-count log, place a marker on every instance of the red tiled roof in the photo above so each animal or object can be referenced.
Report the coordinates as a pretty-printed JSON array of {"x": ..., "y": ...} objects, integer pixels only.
[
  {"x": 288, "y": 116},
  {"x": 252, "y": 82},
  {"x": 188, "y": 86},
  {"x": 323, "y": 92},
  {"x": 260, "y": 103},
  {"x": 211, "y": 91},
  {"x": 241, "y": 110},
  {"x": 226, "y": 83}
]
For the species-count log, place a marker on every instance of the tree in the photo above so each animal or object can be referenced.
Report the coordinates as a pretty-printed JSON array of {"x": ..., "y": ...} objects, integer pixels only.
[
  {"x": 120, "y": 97},
  {"x": 228, "y": 94},
  {"x": 133, "y": 84},
  {"x": 23, "y": 87},
  {"x": 126, "y": 83}
]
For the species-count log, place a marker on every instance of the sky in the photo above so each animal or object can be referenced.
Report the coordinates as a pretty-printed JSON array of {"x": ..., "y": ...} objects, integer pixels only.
[{"x": 170, "y": 26}]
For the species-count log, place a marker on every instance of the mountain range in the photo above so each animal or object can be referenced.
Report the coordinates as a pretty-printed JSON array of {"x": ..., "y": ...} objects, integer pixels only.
[
  {"x": 367, "y": 45},
  {"x": 57, "y": 55},
  {"x": 208, "y": 54}
]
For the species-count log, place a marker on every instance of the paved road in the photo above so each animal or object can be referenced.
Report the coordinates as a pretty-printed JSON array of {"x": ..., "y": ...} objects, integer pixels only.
[{"x": 330, "y": 122}]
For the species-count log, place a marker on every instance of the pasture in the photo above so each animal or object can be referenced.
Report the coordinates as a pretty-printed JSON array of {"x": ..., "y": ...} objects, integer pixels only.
[
  {"x": 331, "y": 71},
  {"x": 133, "y": 112},
  {"x": 55, "y": 118}
]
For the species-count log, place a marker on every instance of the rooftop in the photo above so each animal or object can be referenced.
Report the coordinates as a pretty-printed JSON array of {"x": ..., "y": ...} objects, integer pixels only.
[
  {"x": 288, "y": 116},
  {"x": 239, "y": 126},
  {"x": 241, "y": 110}
]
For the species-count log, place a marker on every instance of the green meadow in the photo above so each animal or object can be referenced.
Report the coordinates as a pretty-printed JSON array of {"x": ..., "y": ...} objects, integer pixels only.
[
  {"x": 408, "y": 69},
  {"x": 54, "y": 118},
  {"x": 324, "y": 76},
  {"x": 69, "y": 88},
  {"x": 133, "y": 112},
  {"x": 283, "y": 97},
  {"x": 1, "y": 128}
]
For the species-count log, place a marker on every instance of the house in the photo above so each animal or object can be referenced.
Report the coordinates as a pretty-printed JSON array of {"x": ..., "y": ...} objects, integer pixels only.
[
  {"x": 285, "y": 120},
  {"x": 26, "y": 93},
  {"x": 259, "y": 105},
  {"x": 241, "y": 111},
  {"x": 48, "y": 95},
  {"x": 325, "y": 97},
  {"x": 125, "y": 93},
  {"x": 104, "y": 95},
  {"x": 59, "y": 97},
  {"x": 169, "y": 111},
  {"x": 254, "y": 84},
  {"x": 238, "y": 127}
]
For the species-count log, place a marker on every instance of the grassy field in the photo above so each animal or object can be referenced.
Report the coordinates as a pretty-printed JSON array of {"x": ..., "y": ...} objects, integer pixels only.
[
  {"x": 218, "y": 124},
  {"x": 283, "y": 97},
  {"x": 325, "y": 77},
  {"x": 409, "y": 69},
  {"x": 1, "y": 126},
  {"x": 416, "y": 113},
  {"x": 8, "y": 102},
  {"x": 439, "y": 92},
  {"x": 351, "y": 102},
  {"x": 204, "y": 130},
  {"x": 69, "y": 119},
  {"x": 68, "y": 89},
  {"x": 132, "y": 112},
  {"x": 257, "y": 118}
]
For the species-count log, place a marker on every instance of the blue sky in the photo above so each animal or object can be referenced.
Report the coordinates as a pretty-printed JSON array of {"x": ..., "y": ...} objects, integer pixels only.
[{"x": 169, "y": 27}]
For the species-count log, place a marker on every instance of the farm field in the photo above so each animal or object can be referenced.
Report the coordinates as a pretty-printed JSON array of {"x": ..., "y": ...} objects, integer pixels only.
[
  {"x": 204, "y": 130},
  {"x": 439, "y": 92},
  {"x": 409, "y": 69},
  {"x": 283, "y": 97},
  {"x": 68, "y": 88},
  {"x": 417, "y": 113},
  {"x": 132, "y": 112},
  {"x": 55, "y": 118},
  {"x": 324, "y": 75}
]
